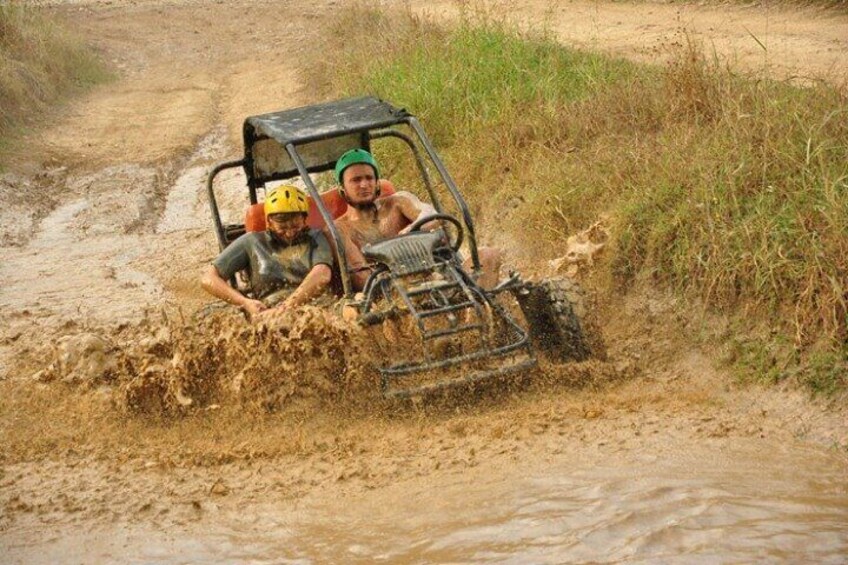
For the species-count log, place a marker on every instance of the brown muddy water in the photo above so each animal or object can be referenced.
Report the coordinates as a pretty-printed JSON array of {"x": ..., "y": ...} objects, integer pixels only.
[
  {"x": 591, "y": 489},
  {"x": 726, "y": 502}
]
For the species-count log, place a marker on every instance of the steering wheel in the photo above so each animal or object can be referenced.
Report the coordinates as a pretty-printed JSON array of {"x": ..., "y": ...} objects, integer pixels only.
[{"x": 460, "y": 233}]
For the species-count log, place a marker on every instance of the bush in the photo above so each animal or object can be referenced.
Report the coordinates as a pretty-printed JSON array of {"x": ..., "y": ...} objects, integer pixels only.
[
  {"x": 40, "y": 62},
  {"x": 729, "y": 190}
]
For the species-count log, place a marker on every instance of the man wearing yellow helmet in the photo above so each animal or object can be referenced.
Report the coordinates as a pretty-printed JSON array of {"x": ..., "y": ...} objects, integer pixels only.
[{"x": 289, "y": 264}]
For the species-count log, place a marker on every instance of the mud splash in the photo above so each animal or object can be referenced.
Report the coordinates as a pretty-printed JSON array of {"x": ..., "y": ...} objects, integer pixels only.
[{"x": 168, "y": 365}]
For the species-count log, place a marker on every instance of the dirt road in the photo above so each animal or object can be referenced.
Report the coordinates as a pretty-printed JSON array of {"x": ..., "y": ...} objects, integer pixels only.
[
  {"x": 780, "y": 41},
  {"x": 103, "y": 219}
]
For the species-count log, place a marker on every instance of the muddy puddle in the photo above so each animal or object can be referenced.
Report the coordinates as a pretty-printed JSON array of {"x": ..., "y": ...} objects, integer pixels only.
[
  {"x": 718, "y": 502},
  {"x": 706, "y": 506},
  {"x": 153, "y": 444}
]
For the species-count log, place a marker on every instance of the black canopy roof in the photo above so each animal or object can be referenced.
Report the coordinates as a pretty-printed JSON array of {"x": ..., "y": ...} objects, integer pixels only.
[{"x": 321, "y": 132}]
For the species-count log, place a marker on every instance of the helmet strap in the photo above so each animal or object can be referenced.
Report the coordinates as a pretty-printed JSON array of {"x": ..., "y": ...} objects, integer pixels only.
[
  {"x": 362, "y": 206},
  {"x": 280, "y": 241}
]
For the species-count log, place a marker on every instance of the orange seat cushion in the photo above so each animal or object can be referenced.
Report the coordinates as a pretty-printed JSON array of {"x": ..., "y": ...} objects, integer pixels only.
[
  {"x": 335, "y": 205},
  {"x": 254, "y": 219}
]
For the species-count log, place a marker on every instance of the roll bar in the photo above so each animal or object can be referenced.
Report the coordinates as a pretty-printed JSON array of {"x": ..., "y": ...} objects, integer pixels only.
[{"x": 383, "y": 130}]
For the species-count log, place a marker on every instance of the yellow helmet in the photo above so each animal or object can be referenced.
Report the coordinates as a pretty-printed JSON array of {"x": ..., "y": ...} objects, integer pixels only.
[{"x": 285, "y": 199}]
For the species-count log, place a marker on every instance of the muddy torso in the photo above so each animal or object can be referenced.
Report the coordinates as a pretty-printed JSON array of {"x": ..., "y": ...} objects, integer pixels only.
[
  {"x": 271, "y": 264},
  {"x": 386, "y": 223}
]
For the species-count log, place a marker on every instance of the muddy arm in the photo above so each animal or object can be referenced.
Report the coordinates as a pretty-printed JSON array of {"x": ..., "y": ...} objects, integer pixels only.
[
  {"x": 357, "y": 266},
  {"x": 314, "y": 284},
  {"x": 413, "y": 208},
  {"x": 214, "y": 284}
]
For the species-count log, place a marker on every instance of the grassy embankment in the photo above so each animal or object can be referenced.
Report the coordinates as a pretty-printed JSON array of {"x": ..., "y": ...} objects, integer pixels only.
[
  {"x": 835, "y": 5},
  {"x": 726, "y": 191},
  {"x": 41, "y": 62}
]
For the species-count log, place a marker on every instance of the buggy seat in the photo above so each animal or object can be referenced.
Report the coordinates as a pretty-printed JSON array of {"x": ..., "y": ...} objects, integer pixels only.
[{"x": 254, "y": 218}]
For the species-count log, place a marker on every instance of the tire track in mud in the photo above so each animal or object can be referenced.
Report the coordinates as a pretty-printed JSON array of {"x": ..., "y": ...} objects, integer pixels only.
[
  {"x": 68, "y": 273},
  {"x": 87, "y": 464},
  {"x": 26, "y": 201},
  {"x": 83, "y": 265}
]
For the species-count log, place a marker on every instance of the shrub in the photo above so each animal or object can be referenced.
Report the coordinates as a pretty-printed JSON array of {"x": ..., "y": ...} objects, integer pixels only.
[{"x": 726, "y": 189}]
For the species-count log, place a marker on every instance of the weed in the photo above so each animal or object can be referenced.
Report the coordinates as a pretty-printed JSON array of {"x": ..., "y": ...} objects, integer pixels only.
[
  {"x": 731, "y": 190},
  {"x": 40, "y": 62},
  {"x": 826, "y": 372}
]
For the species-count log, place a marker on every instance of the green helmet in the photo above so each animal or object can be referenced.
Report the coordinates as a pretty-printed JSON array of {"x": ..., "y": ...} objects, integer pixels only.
[{"x": 355, "y": 157}]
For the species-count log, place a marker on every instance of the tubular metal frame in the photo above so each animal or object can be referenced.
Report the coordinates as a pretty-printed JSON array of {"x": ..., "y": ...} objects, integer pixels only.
[
  {"x": 381, "y": 129},
  {"x": 389, "y": 285}
]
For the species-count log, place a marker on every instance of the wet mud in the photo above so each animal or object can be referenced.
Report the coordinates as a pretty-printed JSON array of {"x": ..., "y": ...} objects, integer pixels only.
[
  {"x": 307, "y": 355},
  {"x": 138, "y": 423}
]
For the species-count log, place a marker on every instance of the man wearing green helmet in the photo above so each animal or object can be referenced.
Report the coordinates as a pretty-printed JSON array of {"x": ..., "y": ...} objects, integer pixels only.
[
  {"x": 289, "y": 263},
  {"x": 370, "y": 218}
]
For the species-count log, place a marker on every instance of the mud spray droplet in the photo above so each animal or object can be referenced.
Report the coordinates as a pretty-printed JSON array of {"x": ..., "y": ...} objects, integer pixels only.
[{"x": 219, "y": 488}]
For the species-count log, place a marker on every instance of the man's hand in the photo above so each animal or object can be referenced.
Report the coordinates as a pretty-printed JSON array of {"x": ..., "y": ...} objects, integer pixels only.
[
  {"x": 268, "y": 313},
  {"x": 271, "y": 317},
  {"x": 214, "y": 284},
  {"x": 253, "y": 307}
]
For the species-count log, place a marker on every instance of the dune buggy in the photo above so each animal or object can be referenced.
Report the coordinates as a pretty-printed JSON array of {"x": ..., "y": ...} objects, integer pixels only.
[{"x": 456, "y": 332}]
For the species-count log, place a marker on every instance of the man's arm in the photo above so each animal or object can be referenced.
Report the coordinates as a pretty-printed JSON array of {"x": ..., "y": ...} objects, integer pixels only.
[
  {"x": 357, "y": 266},
  {"x": 231, "y": 260},
  {"x": 314, "y": 284},
  {"x": 213, "y": 283},
  {"x": 414, "y": 209}
]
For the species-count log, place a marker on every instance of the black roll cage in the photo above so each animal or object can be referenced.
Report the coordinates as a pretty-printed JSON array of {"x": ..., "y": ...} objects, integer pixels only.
[{"x": 362, "y": 119}]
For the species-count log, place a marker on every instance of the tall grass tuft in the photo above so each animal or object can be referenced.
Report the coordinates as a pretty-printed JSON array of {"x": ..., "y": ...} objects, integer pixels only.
[
  {"x": 40, "y": 61},
  {"x": 729, "y": 190}
]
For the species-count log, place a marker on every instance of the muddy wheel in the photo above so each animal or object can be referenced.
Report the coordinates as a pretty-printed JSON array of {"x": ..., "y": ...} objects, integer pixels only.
[{"x": 556, "y": 314}]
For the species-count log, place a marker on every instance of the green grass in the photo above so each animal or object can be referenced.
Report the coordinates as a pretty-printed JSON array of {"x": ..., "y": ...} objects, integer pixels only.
[
  {"x": 730, "y": 191},
  {"x": 832, "y": 5},
  {"x": 463, "y": 100},
  {"x": 41, "y": 63}
]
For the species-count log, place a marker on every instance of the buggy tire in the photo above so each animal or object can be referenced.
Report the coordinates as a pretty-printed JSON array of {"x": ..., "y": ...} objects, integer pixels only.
[{"x": 556, "y": 313}]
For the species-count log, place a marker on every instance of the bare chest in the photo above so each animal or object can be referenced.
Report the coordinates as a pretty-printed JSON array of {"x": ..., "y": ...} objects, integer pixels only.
[{"x": 387, "y": 223}]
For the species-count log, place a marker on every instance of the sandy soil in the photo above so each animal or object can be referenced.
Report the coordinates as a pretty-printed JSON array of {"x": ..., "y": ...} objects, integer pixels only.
[
  {"x": 114, "y": 230},
  {"x": 778, "y": 40}
]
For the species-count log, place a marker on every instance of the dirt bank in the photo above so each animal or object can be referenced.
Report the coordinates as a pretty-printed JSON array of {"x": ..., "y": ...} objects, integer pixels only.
[
  {"x": 116, "y": 229},
  {"x": 782, "y": 41}
]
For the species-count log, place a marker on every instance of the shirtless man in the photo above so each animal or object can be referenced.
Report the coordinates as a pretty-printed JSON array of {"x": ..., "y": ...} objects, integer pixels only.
[{"x": 369, "y": 218}]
